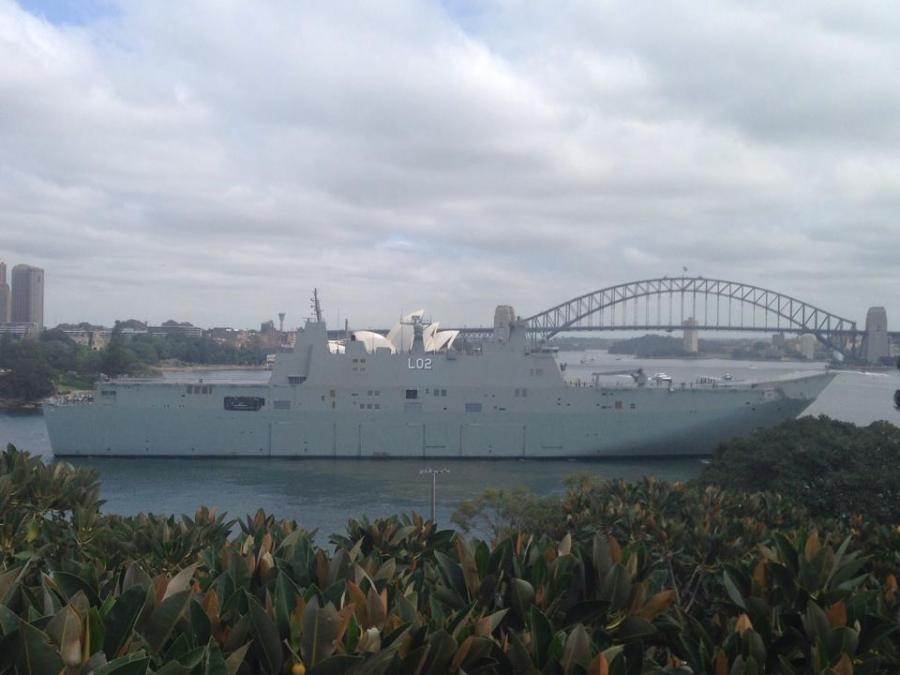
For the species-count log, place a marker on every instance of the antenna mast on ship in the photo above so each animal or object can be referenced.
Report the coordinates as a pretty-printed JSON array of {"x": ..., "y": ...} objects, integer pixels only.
[{"x": 317, "y": 308}]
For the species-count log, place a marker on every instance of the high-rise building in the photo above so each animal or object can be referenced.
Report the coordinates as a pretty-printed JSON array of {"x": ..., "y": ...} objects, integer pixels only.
[
  {"x": 28, "y": 295},
  {"x": 5, "y": 296},
  {"x": 876, "y": 343}
]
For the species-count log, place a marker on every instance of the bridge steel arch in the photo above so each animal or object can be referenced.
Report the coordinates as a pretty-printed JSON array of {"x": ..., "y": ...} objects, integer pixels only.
[{"x": 579, "y": 313}]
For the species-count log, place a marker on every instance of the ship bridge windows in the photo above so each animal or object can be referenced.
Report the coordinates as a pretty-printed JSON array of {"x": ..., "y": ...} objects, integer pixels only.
[
  {"x": 412, "y": 394},
  {"x": 244, "y": 403},
  {"x": 296, "y": 379}
]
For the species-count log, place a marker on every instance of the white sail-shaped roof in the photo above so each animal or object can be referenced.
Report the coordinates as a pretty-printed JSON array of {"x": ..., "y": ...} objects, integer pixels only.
[
  {"x": 402, "y": 334},
  {"x": 400, "y": 337},
  {"x": 373, "y": 340},
  {"x": 443, "y": 340},
  {"x": 428, "y": 334}
]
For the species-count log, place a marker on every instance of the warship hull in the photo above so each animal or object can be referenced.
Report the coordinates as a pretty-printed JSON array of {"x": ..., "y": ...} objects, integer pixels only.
[{"x": 308, "y": 420}]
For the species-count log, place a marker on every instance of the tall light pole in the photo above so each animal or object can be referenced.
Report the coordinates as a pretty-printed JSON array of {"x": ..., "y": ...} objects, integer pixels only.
[{"x": 434, "y": 473}]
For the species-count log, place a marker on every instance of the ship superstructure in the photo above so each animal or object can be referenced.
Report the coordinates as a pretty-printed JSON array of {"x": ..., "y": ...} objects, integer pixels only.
[{"x": 413, "y": 393}]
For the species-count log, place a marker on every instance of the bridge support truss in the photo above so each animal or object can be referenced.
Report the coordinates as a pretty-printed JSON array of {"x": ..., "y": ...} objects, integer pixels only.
[{"x": 712, "y": 304}]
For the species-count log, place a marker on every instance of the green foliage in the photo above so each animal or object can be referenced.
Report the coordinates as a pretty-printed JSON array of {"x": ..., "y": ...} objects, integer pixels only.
[
  {"x": 646, "y": 578},
  {"x": 833, "y": 468},
  {"x": 31, "y": 375},
  {"x": 39, "y": 366}
]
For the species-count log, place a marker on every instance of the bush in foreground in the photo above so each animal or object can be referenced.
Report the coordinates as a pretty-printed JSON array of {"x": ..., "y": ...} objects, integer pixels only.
[
  {"x": 82, "y": 592},
  {"x": 833, "y": 468}
]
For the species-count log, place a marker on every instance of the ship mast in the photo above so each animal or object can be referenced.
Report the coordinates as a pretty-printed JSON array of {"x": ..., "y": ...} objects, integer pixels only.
[{"x": 317, "y": 308}]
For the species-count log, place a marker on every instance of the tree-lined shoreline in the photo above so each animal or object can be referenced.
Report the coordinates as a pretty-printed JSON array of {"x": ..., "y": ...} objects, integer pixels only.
[{"x": 34, "y": 369}]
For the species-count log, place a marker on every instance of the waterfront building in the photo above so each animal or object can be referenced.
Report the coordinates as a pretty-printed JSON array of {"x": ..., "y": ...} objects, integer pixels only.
[
  {"x": 171, "y": 328},
  {"x": 28, "y": 295},
  {"x": 807, "y": 345},
  {"x": 95, "y": 337},
  {"x": 5, "y": 296},
  {"x": 237, "y": 337},
  {"x": 876, "y": 343},
  {"x": 19, "y": 330}
]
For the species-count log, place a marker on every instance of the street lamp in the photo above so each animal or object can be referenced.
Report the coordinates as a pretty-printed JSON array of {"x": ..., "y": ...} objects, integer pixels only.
[{"x": 434, "y": 473}]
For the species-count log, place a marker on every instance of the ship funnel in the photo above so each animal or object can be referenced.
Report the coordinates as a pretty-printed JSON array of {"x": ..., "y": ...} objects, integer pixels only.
[{"x": 504, "y": 315}]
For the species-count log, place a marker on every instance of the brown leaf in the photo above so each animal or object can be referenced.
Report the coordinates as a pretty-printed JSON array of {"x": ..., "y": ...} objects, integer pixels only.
[
  {"x": 721, "y": 663},
  {"x": 345, "y": 615},
  {"x": 266, "y": 563},
  {"x": 844, "y": 666},
  {"x": 266, "y": 546},
  {"x": 322, "y": 569},
  {"x": 461, "y": 654},
  {"x": 549, "y": 554},
  {"x": 759, "y": 574},
  {"x": 812, "y": 545},
  {"x": 160, "y": 583},
  {"x": 376, "y": 607},
  {"x": 837, "y": 615},
  {"x": 598, "y": 666},
  {"x": 210, "y": 605},
  {"x": 358, "y": 601},
  {"x": 743, "y": 624},
  {"x": 657, "y": 605},
  {"x": 615, "y": 551},
  {"x": 638, "y": 595},
  {"x": 890, "y": 588}
]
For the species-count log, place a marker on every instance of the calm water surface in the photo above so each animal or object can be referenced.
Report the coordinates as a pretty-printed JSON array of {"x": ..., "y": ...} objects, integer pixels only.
[{"x": 324, "y": 493}]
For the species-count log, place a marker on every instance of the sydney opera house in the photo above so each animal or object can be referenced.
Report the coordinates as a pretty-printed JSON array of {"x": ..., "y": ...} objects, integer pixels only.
[{"x": 400, "y": 338}]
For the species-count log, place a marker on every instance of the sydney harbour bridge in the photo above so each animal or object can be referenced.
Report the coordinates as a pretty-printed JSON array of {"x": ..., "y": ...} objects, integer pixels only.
[{"x": 698, "y": 304}]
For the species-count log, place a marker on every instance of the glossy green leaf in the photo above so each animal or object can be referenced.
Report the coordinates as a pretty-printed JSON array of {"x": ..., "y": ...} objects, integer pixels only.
[
  {"x": 266, "y": 637},
  {"x": 119, "y": 623}
]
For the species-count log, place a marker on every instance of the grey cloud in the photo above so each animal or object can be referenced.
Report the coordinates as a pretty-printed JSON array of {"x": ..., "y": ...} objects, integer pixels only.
[{"x": 213, "y": 162}]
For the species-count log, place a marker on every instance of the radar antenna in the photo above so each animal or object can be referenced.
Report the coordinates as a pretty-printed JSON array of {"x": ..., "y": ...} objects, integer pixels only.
[{"x": 317, "y": 308}]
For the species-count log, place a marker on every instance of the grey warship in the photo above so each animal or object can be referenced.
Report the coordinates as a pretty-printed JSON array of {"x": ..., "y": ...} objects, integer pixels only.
[{"x": 418, "y": 397}]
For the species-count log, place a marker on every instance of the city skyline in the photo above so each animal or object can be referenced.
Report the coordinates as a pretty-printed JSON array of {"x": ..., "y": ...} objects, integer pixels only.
[
  {"x": 5, "y": 296},
  {"x": 217, "y": 164},
  {"x": 22, "y": 296},
  {"x": 27, "y": 295}
]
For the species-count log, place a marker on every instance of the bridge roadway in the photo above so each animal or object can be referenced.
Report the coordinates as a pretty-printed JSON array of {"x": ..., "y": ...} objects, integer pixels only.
[{"x": 475, "y": 331}]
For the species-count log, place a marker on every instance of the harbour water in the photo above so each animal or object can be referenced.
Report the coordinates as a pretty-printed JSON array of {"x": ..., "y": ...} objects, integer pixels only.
[{"x": 324, "y": 493}]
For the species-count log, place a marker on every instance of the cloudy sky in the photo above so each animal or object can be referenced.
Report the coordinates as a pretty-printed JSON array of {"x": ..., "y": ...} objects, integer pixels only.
[{"x": 212, "y": 161}]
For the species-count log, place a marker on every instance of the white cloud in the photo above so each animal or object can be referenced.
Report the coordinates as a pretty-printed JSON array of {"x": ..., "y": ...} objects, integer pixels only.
[{"x": 213, "y": 161}]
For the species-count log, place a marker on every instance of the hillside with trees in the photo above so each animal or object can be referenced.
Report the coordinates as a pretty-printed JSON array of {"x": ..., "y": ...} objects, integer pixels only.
[{"x": 32, "y": 369}]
